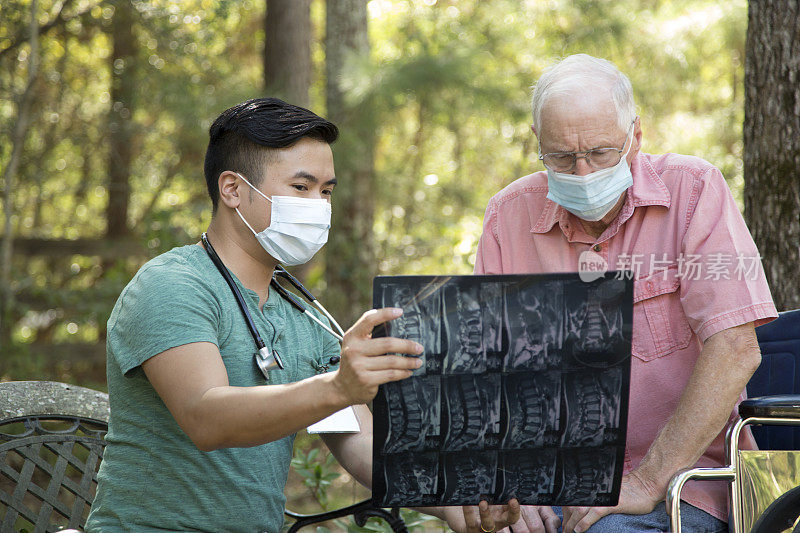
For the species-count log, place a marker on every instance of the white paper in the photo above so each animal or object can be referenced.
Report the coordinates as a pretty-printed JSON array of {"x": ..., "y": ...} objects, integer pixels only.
[{"x": 343, "y": 421}]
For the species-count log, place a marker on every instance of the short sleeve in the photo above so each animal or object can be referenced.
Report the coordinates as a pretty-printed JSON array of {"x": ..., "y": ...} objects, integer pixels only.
[
  {"x": 722, "y": 279},
  {"x": 164, "y": 306},
  {"x": 487, "y": 258}
]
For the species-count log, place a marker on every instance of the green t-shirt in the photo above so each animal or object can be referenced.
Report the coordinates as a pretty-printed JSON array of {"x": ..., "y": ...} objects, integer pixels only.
[{"x": 152, "y": 477}]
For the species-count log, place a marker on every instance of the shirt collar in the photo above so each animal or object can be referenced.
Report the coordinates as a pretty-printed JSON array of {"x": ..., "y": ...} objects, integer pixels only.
[{"x": 648, "y": 189}]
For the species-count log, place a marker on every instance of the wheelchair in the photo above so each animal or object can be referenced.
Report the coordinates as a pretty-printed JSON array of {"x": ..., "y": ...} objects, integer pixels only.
[{"x": 764, "y": 484}]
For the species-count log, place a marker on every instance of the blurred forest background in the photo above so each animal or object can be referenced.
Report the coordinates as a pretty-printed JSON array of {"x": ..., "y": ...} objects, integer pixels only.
[{"x": 105, "y": 107}]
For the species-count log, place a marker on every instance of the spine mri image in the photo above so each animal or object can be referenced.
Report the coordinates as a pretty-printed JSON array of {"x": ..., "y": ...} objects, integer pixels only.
[{"x": 523, "y": 391}]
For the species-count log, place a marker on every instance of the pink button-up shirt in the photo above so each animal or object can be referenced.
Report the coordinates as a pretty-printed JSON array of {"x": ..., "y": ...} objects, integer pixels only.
[{"x": 696, "y": 272}]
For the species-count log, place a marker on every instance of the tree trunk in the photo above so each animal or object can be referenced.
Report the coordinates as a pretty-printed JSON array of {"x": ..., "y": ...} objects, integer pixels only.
[
  {"x": 21, "y": 126},
  {"x": 287, "y": 50},
  {"x": 350, "y": 254},
  {"x": 120, "y": 118},
  {"x": 772, "y": 142},
  {"x": 287, "y": 63}
]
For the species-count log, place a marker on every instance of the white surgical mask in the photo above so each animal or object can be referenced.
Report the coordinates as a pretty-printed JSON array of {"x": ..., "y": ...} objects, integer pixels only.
[
  {"x": 298, "y": 227},
  {"x": 593, "y": 196}
]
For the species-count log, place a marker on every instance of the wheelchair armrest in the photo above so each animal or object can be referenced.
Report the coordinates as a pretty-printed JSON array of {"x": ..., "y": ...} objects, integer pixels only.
[
  {"x": 783, "y": 406},
  {"x": 673, "y": 501}
]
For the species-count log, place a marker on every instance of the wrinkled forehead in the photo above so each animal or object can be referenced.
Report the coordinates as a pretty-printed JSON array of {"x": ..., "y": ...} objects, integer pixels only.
[{"x": 580, "y": 113}]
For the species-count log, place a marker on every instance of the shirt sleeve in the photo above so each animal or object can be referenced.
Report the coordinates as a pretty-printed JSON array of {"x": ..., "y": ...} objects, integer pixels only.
[
  {"x": 164, "y": 306},
  {"x": 729, "y": 287},
  {"x": 487, "y": 258}
]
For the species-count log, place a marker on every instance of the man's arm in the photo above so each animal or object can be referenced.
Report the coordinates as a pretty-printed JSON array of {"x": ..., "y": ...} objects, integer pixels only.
[
  {"x": 193, "y": 383},
  {"x": 727, "y": 361},
  {"x": 354, "y": 450}
]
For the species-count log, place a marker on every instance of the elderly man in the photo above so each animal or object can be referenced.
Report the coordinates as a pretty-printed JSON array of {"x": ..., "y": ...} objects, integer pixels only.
[{"x": 699, "y": 288}]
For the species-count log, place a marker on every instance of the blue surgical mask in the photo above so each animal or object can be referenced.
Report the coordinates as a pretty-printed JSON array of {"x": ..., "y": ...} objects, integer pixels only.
[{"x": 592, "y": 196}]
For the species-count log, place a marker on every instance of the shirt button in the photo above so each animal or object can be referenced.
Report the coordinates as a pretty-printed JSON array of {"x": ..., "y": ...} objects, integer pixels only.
[{"x": 597, "y": 248}]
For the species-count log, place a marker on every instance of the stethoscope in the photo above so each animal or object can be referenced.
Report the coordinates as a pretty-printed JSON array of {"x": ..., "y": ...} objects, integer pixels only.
[{"x": 267, "y": 359}]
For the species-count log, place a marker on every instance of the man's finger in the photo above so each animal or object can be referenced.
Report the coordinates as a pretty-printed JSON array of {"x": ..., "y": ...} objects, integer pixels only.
[
  {"x": 550, "y": 519},
  {"x": 514, "y": 510},
  {"x": 385, "y": 345},
  {"x": 471, "y": 517},
  {"x": 531, "y": 519},
  {"x": 392, "y": 362},
  {"x": 573, "y": 515},
  {"x": 364, "y": 326},
  {"x": 520, "y": 526},
  {"x": 385, "y": 376},
  {"x": 486, "y": 518},
  {"x": 594, "y": 514}
]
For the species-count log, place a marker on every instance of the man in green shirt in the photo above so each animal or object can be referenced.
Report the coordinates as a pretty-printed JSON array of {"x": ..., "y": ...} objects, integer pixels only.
[{"x": 198, "y": 439}]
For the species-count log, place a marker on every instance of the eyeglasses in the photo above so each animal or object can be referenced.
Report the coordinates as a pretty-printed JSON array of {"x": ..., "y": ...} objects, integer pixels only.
[{"x": 597, "y": 158}]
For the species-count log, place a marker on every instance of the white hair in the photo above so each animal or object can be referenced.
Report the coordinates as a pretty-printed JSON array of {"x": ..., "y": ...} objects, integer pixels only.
[{"x": 583, "y": 73}]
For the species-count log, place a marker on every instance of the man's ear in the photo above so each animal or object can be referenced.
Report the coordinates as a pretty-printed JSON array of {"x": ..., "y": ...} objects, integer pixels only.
[
  {"x": 637, "y": 136},
  {"x": 538, "y": 142},
  {"x": 228, "y": 183}
]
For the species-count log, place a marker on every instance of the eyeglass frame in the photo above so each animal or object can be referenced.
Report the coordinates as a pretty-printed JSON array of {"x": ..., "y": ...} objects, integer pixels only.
[{"x": 586, "y": 153}]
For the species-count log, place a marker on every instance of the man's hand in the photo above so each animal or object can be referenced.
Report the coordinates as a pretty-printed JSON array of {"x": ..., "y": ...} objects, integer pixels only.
[
  {"x": 536, "y": 519},
  {"x": 483, "y": 518},
  {"x": 636, "y": 497},
  {"x": 364, "y": 366}
]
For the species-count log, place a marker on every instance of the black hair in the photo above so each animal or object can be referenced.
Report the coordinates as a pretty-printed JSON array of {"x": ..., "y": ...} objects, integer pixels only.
[{"x": 243, "y": 137}]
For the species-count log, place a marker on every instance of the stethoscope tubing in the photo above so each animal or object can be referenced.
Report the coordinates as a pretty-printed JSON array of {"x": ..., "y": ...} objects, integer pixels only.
[
  {"x": 280, "y": 271},
  {"x": 297, "y": 304},
  {"x": 236, "y": 293},
  {"x": 288, "y": 296}
]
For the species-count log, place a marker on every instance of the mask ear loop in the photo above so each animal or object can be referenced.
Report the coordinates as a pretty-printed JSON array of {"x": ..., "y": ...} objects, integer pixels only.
[
  {"x": 253, "y": 187},
  {"x": 245, "y": 222},
  {"x": 237, "y": 209}
]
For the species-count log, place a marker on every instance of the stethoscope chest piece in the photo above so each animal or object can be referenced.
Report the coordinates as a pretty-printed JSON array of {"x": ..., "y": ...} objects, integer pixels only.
[{"x": 268, "y": 360}]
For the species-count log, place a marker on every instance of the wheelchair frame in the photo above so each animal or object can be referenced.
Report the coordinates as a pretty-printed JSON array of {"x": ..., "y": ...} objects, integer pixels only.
[{"x": 774, "y": 410}]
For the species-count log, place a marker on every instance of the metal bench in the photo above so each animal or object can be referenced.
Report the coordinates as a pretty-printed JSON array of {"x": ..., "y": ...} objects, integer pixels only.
[{"x": 52, "y": 437}]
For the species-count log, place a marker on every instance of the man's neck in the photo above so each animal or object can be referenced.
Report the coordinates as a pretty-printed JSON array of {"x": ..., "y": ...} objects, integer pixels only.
[
  {"x": 595, "y": 229},
  {"x": 251, "y": 269}
]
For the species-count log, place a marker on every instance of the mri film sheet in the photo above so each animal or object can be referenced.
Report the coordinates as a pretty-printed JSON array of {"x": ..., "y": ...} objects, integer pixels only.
[
  {"x": 421, "y": 321},
  {"x": 532, "y": 408},
  {"x": 528, "y": 476},
  {"x": 524, "y": 390},
  {"x": 472, "y": 406},
  {"x": 410, "y": 479},
  {"x": 534, "y": 316},
  {"x": 414, "y": 414}
]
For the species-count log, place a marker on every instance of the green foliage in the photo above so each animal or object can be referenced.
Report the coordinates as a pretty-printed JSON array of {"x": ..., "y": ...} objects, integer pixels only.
[
  {"x": 447, "y": 83},
  {"x": 452, "y": 80},
  {"x": 319, "y": 473}
]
